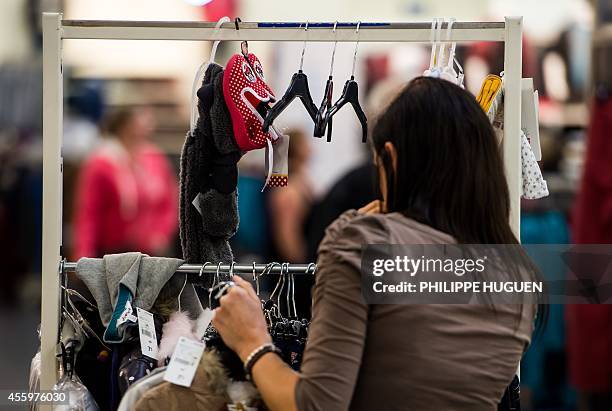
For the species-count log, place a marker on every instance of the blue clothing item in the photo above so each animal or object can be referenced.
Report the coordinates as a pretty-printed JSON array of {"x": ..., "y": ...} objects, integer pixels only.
[
  {"x": 549, "y": 227},
  {"x": 542, "y": 368},
  {"x": 116, "y": 327},
  {"x": 252, "y": 236}
]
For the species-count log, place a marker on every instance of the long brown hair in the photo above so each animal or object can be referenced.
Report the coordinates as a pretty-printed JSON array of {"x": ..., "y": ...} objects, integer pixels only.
[{"x": 449, "y": 172}]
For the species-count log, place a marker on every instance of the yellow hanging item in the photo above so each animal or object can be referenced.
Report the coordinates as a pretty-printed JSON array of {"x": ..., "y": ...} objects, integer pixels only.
[{"x": 491, "y": 86}]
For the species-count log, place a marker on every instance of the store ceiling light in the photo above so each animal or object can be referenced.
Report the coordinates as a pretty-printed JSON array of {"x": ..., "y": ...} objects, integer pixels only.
[{"x": 198, "y": 2}]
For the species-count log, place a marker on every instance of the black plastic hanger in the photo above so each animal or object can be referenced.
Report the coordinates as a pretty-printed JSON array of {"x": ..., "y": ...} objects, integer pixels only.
[
  {"x": 322, "y": 123},
  {"x": 297, "y": 88},
  {"x": 350, "y": 95}
]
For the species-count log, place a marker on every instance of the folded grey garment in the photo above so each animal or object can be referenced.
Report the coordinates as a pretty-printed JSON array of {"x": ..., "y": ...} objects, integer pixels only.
[
  {"x": 218, "y": 211},
  {"x": 91, "y": 272},
  {"x": 143, "y": 276}
]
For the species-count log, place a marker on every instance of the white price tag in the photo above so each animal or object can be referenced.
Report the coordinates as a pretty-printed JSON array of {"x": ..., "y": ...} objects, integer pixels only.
[
  {"x": 127, "y": 314},
  {"x": 530, "y": 123},
  {"x": 146, "y": 329},
  {"x": 535, "y": 144},
  {"x": 184, "y": 362}
]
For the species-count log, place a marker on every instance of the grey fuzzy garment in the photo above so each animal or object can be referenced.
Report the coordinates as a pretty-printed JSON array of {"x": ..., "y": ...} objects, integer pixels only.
[
  {"x": 143, "y": 276},
  {"x": 205, "y": 235}
]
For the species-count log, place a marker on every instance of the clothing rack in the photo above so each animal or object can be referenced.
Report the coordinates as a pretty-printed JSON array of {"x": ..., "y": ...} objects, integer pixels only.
[
  {"x": 210, "y": 268},
  {"x": 56, "y": 30}
]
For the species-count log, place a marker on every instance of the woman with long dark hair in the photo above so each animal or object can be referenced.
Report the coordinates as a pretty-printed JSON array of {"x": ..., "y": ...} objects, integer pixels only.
[{"x": 442, "y": 181}]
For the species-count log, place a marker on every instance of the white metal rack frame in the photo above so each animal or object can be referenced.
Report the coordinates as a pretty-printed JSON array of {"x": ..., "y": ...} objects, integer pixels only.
[{"x": 56, "y": 30}]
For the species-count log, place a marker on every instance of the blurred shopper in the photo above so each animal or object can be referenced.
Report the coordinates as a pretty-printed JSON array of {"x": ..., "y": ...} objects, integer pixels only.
[
  {"x": 589, "y": 327},
  {"x": 352, "y": 190},
  {"x": 289, "y": 206},
  {"x": 401, "y": 357},
  {"x": 127, "y": 193}
]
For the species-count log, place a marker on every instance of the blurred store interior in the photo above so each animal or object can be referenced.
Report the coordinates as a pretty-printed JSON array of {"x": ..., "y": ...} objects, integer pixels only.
[{"x": 566, "y": 51}]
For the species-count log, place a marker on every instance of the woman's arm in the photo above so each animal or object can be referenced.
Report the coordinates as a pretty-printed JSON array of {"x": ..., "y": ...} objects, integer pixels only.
[
  {"x": 276, "y": 383},
  {"x": 336, "y": 337},
  {"x": 333, "y": 352}
]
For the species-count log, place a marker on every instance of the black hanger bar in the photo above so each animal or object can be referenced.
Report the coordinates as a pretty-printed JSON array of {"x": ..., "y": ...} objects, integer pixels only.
[{"x": 210, "y": 268}]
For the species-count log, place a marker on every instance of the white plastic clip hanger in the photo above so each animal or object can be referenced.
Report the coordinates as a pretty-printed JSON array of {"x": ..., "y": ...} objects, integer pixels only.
[
  {"x": 455, "y": 76},
  {"x": 434, "y": 61},
  {"x": 200, "y": 74},
  {"x": 448, "y": 71},
  {"x": 441, "y": 65}
]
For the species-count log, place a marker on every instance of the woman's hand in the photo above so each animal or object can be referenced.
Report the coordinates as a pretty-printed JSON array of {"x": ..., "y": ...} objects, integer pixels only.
[
  {"x": 375, "y": 207},
  {"x": 240, "y": 319}
]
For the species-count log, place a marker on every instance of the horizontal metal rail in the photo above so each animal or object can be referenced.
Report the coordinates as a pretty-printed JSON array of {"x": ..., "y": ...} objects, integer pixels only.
[
  {"x": 210, "y": 268},
  {"x": 279, "y": 31}
]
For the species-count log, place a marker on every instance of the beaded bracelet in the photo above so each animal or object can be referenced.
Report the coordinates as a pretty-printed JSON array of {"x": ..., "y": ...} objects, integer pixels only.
[{"x": 255, "y": 355}]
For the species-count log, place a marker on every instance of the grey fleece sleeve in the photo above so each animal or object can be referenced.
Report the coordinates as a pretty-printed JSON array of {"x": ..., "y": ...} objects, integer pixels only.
[{"x": 339, "y": 323}]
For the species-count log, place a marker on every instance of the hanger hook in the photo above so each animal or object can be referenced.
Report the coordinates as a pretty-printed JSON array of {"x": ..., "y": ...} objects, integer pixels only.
[
  {"x": 200, "y": 74},
  {"x": 256, "y": 279},
  {"x": 442, "y": 43},
  {"x": 453, "y": 47},
  {"x": 280, "y": 294},
  {"x": 304, "y": 46},
  {"x": 445, "y": 44},
  {"x": 288, "y": 277},
  {"x": 311, "y": 268},
  {"x": 356, "y": 46},
  {"x": 203, "y": 267},
  {"x": 213, "y": 52},
  {"x": 217, "y": 275},
  {"x": 432, "y": 40},
  {"x": 244, "y": 45},
  {"x": 439, "y": 43},
  {"x": 271, "y": 266},
  {"x": 331, "y": 68},
  {"x": 214, "y": 284},
  {"x": 181, "y": 293},
  {"x": 292, "y": 288}
]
